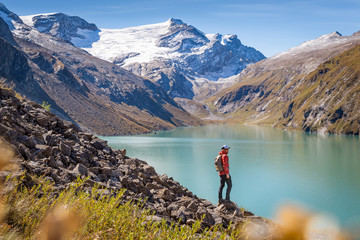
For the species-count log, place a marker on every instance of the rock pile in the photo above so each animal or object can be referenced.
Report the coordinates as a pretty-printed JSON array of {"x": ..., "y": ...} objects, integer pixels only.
[{"x": 60, "y": 151}]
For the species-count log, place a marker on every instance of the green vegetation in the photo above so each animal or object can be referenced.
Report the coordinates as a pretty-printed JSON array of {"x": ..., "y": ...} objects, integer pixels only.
[
  {"x": 46, "y": 105},
  {"x": 40, "y": 212}
]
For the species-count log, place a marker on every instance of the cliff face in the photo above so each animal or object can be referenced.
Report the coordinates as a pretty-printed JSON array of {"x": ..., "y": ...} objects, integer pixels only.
[{"x": 58, "y": 150}]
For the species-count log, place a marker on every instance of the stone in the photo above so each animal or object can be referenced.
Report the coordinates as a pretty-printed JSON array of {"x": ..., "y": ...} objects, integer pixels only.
[
  {"x": 30, "y": 142},
  {"x": 43, "y": 150},
  {"x": 7, "y": 92},
  {"x": 94, "y": 177},
  {"x": 56, "y": 178},
  {"x": 116, "y": 173},
  {"x": 192, "y": 206},
  {"x": 112, "y": 183},
  {"x": 65, "y": 149},
  {"x": 107, "y": 171},
  {"x": 153, "y": 185},
  {"x": 68, "y": 133},
  {"x": 68, "y": 176},
  {"x": 149, "y": 170},
  {"x": 107, "y": 150},
  {"x": 59, "y": 163},
  {"x": 179, "y": 215},
  {"x": 99, "y": 143},
  {"x": 95, "y": 170},
  {"x": 217, "y": 218},
  {"x": 51, "y": 162},
  {"x": 43, "y": 120},
  {"x": 202, "y": 213},
  {"x": 122, "y": 153},
  {"x": 25, "y": 152},
  {"x": 8, "y": 133},
  {"x": 49, "y": 139},
  {"x": 33, "y": 164},
  {"x": 165, "y": 194},
  {"x": 80, "y": 170}
]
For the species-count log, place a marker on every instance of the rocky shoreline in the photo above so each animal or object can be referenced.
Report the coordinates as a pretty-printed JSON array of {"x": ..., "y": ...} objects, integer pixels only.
[{"x": 60, "y": 151}]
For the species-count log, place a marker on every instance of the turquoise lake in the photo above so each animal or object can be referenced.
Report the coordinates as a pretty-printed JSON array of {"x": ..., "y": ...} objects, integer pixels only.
[{"x": 269, "y": 167}]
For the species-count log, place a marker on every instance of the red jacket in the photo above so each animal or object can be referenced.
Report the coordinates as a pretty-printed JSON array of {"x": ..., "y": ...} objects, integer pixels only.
[{"x": 225, "y": 162}]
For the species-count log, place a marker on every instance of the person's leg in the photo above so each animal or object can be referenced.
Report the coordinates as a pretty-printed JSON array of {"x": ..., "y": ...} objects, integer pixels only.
[
  {"x": 222, "y": 185},
  {"x": 229, "y": 186}
]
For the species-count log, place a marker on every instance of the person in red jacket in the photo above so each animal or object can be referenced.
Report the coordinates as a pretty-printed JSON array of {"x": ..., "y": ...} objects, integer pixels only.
[{"x": 225, "y": 174}]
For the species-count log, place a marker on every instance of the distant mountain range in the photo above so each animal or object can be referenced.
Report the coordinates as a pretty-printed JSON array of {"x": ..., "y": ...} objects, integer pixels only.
[
  {"x": 159, "y": 76},
  {"x": 97, "y": 94},
  {"x": 174, "y": 54}
]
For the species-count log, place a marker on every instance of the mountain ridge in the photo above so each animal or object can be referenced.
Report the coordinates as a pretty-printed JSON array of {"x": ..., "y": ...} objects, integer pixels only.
[
  {"x": 83, "y": 87},
  {"x": 265, "y": 92},
  {"x": 174, "y": 54}
]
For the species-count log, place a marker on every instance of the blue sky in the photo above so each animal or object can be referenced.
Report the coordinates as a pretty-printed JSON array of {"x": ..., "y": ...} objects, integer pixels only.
[{"x": 268, "y": 25}]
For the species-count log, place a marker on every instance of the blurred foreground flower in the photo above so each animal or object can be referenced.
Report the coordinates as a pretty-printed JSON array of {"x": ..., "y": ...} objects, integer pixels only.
[
  {"x": 60, "y": 224},
  {"x": 297, "y": 223},
  {"x": 6, "y": 155}
]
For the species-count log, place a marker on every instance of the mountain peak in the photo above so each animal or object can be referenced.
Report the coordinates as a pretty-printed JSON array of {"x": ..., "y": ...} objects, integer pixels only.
[
  {"x": 9, "y": 17},
  {"x": 334, "y": 34},
  {"x": 175, "y": 21},
  {"x": 70, "y": 28}
]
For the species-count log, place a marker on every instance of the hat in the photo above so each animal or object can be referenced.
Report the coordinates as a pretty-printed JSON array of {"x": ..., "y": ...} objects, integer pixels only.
[{"x": 225, "y": 147}]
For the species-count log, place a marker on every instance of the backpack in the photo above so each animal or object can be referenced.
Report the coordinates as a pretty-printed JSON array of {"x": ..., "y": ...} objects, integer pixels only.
[{"x": 218, "y": 163}]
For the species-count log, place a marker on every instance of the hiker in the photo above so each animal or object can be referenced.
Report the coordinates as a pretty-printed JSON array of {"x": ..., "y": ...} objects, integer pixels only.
[{"x": 225, "y": 175}]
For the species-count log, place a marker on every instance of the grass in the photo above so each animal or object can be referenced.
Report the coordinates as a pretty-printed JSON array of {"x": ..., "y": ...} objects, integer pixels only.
[
  {"x": 39, "y": 212},
  {"x": 77, "y": 212},
  {"x": 46, "y": 106}
]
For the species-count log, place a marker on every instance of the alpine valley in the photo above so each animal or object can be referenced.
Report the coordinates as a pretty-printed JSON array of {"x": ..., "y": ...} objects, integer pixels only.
[{"x": 160, "y": 76}]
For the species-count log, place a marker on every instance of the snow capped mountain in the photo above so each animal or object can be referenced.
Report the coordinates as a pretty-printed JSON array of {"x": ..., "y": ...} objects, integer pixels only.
[
  {"x": 9, "y": 17},
  {"x": 174, "y": 54},
  {"x": 80, "y": 87},
  {"x": 199, "y": 55},
  {"x": 70, "y": 28}
]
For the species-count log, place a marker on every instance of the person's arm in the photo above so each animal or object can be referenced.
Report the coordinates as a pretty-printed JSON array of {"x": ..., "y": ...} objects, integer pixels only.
[{"x": 225, "y": 162}]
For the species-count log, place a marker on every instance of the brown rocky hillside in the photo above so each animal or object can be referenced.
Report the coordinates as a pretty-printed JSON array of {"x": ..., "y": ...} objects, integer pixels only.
[{"x": 295, "y": 90}]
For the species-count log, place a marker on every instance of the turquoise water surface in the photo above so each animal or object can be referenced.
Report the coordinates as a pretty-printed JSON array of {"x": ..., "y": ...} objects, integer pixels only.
[{"x": 269, "y": 167}]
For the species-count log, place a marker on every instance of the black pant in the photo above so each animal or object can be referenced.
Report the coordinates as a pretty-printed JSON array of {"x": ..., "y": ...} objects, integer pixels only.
[{"x": 223, "y": 179}]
